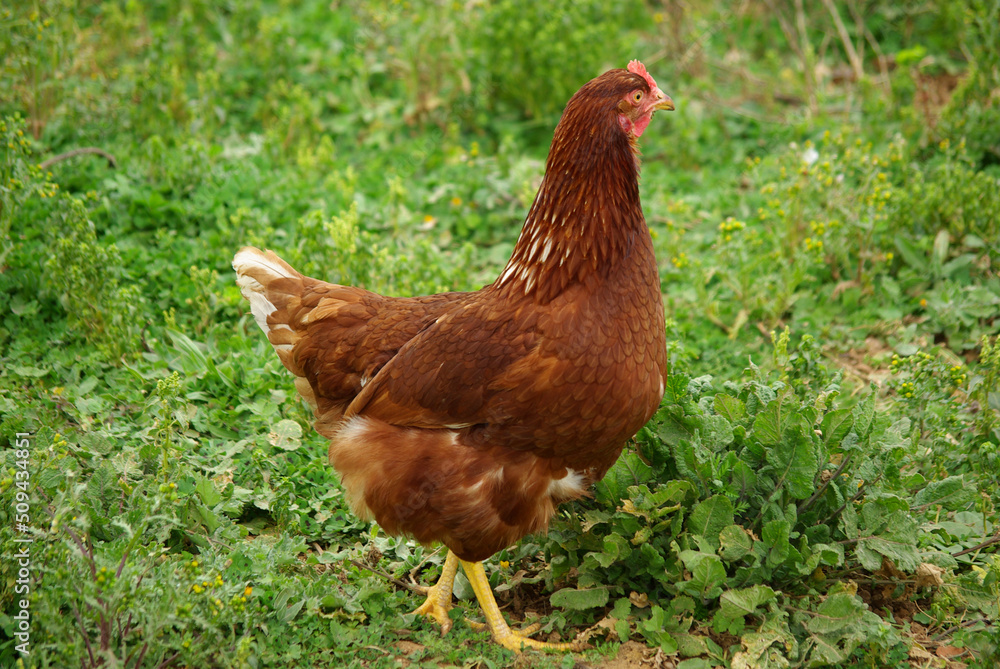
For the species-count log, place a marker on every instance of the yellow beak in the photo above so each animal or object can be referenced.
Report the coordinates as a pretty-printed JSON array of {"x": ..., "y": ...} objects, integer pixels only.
[{"x": 663, "y": 101}]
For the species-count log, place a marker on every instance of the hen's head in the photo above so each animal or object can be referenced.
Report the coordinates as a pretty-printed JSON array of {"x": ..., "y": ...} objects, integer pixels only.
[{"x": 629, "y": 95}]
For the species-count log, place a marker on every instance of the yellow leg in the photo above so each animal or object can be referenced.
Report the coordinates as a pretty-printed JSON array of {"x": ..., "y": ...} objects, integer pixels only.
[
  {"x": 502, "y": 633},
  {"x": 438, "y": 601}
]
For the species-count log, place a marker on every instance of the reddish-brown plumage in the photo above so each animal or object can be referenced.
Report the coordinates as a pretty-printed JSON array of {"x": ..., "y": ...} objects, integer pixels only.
[{"x": 466, "y": 417}]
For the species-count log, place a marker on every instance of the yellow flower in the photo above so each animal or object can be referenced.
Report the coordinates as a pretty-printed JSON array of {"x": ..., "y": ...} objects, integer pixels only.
[{"x": 456, "y": 201}]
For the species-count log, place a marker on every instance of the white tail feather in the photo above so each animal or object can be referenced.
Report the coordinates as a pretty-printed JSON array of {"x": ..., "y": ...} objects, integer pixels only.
[
  {"x": 248, "y": 262},
  {"x": 249, "y": 257}
]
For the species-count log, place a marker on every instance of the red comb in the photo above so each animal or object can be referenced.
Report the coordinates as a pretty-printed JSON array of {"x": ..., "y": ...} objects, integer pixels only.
[{"x": 635, "y": 67}]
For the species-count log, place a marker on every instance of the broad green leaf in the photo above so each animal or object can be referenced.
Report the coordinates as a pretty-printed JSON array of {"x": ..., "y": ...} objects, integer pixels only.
[
  {"x": 742, "y": 478},
  {"x": 744, "y": 601},
  {"x": 794, "y": 461},
  {"x": 192, "y": 359},
  {"x": 835, "y": 612},
  {"x": 863, "y": 414},
  {"x": 836, "y": 425},
  {"x": 951, "y": 493},
  {"x": 100, "y": 487},
  {"x": 29, "y": 371},
  {"x": 710, "y": 516},
  {"x": 89, "y": 406},
  {"x": 896, "y": 539},
  {"x": 692, "y": 645},
  {"x": 288, "y": 614},
  {"x": 287, "y": 435},
  {"x": 896, "y": 436},
  {"x": 206, "y": 490},
  {"x": 849, "y": 519},
  {"x": 629, "y": 470},
  {"x": 695, "y": 663},
  {"x": 642, "y": 535},
  {"x": 734, "y": 543},
  {"x": 616, "y": 548},
  {"x": 622, "y": 608},
  {"x": 675, "y": 389},
  {"x": 716, "y": 432},
  {"x": 831, "y": 555},
  {"x": 580, "y": 599},
  {"x": 941, "y": 243},
  {"x": 829, "y": 650},
  {"x": 910, "y": 252},
  {"x": 87, "y": 385},
  {"x": 729, "y": 407},
  {"x": 654, "y": 629},
  {"x": 707, "y": 574},
  {"x": 769, "y": 423},
  {"x": 674, "y": 492},
  {"x": 697, "y": 386},
  {"x": 757, "y": 652},
  {"x": 332, "y": 601},
  {"x": 775, "y": 536},
  {"x": 676, "y": 426},
  {"x": 209, "y": 519},
  {"x": 651, "y": 559}
]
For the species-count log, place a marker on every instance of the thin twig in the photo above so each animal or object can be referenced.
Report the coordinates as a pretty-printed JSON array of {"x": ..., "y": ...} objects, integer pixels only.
[
  {"x": 808, "y": 53},
  {"x": 786, "y": 28},
  {"x": 883, "y": 62},
  {"x": 170, "y": 660},
  {"x": 988, "y": 542},
  {"x": 379, "y": 572},
  {"x": 83, "y": 632},
  {"x": 112, "y": 163},
  {"x": 809, "y": 502},
  {"x": 142, "y": 655},
  {"x": 210, "y": 540},
  {"x": 852, "y": 54},
  {"x": 967, "y": 623},
  {"x": 843, "y": 506},
  {"x": 420, "y": 565}
]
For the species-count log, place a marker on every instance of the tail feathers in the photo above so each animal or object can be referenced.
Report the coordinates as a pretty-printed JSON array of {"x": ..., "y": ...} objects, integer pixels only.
[
  {"x": 306, "y": 321},
  {"x": 274, "y": 290}
]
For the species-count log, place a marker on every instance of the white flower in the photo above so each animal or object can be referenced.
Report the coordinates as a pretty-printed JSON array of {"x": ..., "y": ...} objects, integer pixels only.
[{"x": 810, "y": 156}]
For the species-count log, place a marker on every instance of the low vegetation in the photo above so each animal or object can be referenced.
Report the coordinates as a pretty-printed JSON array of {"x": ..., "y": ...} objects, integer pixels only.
[{"x": 819, "y": 486}]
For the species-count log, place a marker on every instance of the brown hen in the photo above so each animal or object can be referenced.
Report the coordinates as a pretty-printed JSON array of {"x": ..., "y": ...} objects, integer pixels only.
[{"x": 465, "y": 418}]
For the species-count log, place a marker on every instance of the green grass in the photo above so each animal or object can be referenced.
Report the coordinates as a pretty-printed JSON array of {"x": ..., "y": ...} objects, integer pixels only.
[{"x": 819, "y": 485}]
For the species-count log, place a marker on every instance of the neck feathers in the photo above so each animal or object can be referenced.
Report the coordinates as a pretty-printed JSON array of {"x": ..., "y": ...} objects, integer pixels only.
[{"x": 586, "y": 216}]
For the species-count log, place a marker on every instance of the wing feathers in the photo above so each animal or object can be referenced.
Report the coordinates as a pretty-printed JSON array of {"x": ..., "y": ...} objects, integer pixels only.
[{"x": 333, "y": 338}]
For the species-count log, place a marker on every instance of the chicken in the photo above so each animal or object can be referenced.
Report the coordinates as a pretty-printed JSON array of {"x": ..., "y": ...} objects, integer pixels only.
[{"x": 466, "y": 418}]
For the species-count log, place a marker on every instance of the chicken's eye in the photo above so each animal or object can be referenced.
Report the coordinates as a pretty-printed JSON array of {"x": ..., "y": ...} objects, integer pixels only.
[{"x": 637, "y": 97}]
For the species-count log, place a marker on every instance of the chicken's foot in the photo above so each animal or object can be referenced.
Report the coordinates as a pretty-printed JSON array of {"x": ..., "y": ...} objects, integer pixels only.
[
  {"x": 515, "y": 640},
  {"x": 438, "y": 601}
]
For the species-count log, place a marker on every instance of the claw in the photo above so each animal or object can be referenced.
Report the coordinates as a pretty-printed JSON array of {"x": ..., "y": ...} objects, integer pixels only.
[
  {"x": 432, "y": 608},
  {"x": 438, "y": 601},
  {"x": 515, "y": 640}
]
